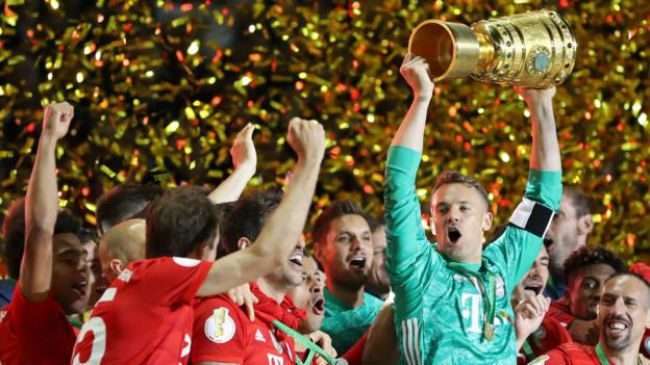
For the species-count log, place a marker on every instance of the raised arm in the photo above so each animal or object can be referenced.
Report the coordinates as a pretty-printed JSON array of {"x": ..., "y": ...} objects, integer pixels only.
[
  {"x": 244, "y": 157},
  {"x": 404, "y": 232},
  {"x": 411, "y": 131},
  {"x": 41, "y": 206},
  {"x": 545, "y": 154},
  {"x": 284, "y": 226}
]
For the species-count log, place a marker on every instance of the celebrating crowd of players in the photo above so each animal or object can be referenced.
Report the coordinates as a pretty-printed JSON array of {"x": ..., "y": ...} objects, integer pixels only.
[{"x": 197, "y": 276}]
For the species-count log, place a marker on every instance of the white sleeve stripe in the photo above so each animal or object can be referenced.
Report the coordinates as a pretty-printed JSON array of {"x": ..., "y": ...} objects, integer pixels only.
[
  {"x": 405, "y": 347},
  {"x": 411, "y": 341},
  {"x": 533, "y": 217},
  {"x": 417, "y": 340}
]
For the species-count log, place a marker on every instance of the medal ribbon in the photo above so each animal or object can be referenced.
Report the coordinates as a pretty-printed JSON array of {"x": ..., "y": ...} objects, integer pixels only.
[
  {"x": 601, "y": 355},
  {"x": 313, "y": 348}
]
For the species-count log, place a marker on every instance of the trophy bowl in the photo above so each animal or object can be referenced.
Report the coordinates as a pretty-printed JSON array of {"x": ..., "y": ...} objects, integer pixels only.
[{"x": 535, "y": 49}]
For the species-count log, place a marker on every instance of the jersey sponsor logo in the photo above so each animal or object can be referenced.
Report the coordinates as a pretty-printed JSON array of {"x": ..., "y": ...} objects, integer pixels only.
[
  {"x": 500, "y": 287},
  {"x": 470, "y": 305},
  {"x": 259, "y": 336},
  {"x": 185, "y": 262},
  {"x": 219, "y": 327},
  {"x": 541, "y": 333},
  {"x": 275, "y": 360}
]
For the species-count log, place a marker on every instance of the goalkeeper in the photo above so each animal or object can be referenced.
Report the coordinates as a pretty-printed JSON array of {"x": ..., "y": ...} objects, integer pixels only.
[{"x": 452, "y": 298}]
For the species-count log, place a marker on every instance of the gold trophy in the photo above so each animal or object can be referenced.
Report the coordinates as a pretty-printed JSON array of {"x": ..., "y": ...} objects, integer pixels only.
[{"x": 535, "y": 49}]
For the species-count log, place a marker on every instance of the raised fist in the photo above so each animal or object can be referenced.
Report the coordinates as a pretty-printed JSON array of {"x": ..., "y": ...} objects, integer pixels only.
[
  {"x": 243, "y": 150},
  {"x": 56, "y": 119},
  {"x": 307, "y": 138},
  {"x": 415, "y": 71}
]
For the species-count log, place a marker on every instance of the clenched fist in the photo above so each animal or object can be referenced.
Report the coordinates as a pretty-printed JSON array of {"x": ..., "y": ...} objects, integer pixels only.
[
  {"x": 307, "y": 138},
  {"x": 415, "y": 71},
  {"x": 243, "y": 150},
  {"x": 56, "y": 119}
]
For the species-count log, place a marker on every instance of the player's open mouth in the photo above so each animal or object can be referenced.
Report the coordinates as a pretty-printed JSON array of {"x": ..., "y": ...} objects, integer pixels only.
[
  {"x": 296, "y": 259},
  {"x": 319, "y": 306},
  {"x": 616, "y": 327},
  {"x": 453, "y": 234},
  {"x": 358, "y": 262},
  {"x": 534, "y": 286},
  {"x": 80, "y": 288}
]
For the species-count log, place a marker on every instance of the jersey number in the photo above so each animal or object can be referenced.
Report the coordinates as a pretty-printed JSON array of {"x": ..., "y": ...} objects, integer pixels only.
[{"x": 97, "y": 327}]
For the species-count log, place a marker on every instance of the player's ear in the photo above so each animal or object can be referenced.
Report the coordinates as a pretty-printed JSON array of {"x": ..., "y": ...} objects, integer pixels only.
[
  {"x": 116, "y": 266},
  {"x": 585, "y": 224},
  {"x": 317, "y": 251},
  {"x": 243, "y": 242},
  {"x": 488, "y": 218}
]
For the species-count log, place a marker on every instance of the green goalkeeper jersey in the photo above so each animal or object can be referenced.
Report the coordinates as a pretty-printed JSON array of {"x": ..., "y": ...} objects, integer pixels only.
[{"x": 439, "y": 309}]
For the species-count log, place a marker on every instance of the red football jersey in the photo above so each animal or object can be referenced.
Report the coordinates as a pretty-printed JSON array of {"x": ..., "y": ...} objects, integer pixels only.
[
  {"x": 550, "y": 335},
  {"x": 145, "y": 316},
  {"x": 223, "y": 333},
  {"x": 560, "y": 311},
  {"x": 34, "y": 333},
  {"x": 570, "y": 354}
]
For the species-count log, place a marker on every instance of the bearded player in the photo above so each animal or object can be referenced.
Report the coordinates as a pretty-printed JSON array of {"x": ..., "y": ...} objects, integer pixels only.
[
  {"x": 623, "y": 317},
  {"x": 452, "y": 300}
]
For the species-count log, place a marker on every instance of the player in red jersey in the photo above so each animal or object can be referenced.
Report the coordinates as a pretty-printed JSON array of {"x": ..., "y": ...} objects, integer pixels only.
[
  {"x": 53, "y": 276},
  {"x": 222, "y": 332},
  {"x": 156, "y": 294},
  {"x": 586, "y": 270},
  {"x": 623, "y": 317},
  {"x": 548, "y": 334},
  {"x": 378, "y": 346}
]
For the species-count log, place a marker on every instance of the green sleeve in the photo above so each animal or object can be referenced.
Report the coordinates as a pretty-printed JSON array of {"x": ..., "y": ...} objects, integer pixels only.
[
  {"x": 410, "y": 259},
  {"x": 545, "y": 187},
  {"x": 516, "y": 250}
]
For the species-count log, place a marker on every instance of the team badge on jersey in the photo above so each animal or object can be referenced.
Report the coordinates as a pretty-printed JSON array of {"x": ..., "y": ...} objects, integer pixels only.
[
  {"x": 500, "y": 287},
  {"x": 220, "y": 327}
]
